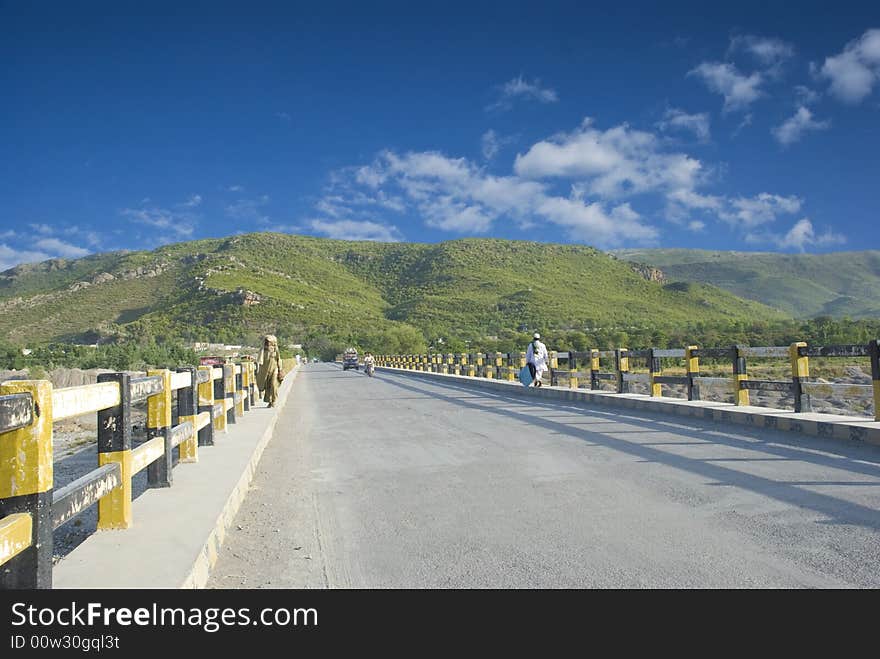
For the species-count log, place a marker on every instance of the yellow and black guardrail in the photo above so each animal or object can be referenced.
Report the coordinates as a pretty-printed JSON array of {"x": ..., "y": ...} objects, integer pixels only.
[
  {"x": 618, "y": 362},
  {"x": 206, "y": 400}
]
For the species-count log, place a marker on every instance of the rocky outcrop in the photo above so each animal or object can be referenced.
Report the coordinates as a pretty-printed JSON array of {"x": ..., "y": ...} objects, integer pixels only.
[{"x": 649, "y": 272}]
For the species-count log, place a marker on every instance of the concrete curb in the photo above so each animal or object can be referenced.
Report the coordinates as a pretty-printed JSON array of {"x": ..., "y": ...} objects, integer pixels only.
[
  {"x": 832, "y": 426},
  {"x": 177, "y": 533},
  {"x": 201, "y": 569}
]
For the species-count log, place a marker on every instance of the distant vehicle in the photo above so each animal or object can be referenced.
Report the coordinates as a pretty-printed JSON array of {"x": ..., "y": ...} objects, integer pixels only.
[
  {"x": 350, "y": 360},
  {"x": 212, "y": 361},
  {"x": 314, "y": 360}
]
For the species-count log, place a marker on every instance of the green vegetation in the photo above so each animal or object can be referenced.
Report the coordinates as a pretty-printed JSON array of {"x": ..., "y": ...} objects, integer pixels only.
[
  {"x": 472, "y": 294},
  {"x": 120, "y": 357},
  {"x": 802, "y": 285}
]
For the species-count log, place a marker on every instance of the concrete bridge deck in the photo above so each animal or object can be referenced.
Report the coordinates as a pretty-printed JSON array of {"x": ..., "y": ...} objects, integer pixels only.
[{"x": 400, "y": 481}]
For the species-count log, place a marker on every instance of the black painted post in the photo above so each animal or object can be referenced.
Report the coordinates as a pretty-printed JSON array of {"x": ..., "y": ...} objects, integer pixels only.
[
  {"x": 159, "y": 471},
  {"x": 693, "y": 371},
  {"x": 800, "y": 373},
  {"x": 187, "y": 406},
  {"x": 594, "y": 369},
  {"x": 26, "y": 481},
  {"x": 740, "y": 375},
  {"x": 229, "y": 377},
  {"x": 220, "y": 397},
  {"x": 239, "y": 387},
  {"x": 206, "y": 404},
  {"x": 622, "y": 363},
  {"x": 114, "y": 445}
]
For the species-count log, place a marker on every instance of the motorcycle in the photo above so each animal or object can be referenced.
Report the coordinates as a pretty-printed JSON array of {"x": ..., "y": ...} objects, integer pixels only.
[{"x": 368, "y": 369}]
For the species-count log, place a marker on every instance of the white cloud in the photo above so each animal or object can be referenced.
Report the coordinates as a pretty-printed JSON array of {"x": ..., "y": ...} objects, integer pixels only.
[
  {"x": 739, "y": 91},
  {"x": 519, "y": 88},
  {"x": 352, "y": 230},
  {"x": 7, "y": 234},
  {"x": 192, "y": 202},
  {"x": 456, "y": 195},
  {"x": 10, "y": 257},
  {"x": 793, "y": 128},
  {"x": 235, "y": 188},
  {"x": 747, "y": 121},
  {"x": 248, "y": 210},
  {"x": 284, "y": 116},
  {"x": 617, "y": 162},
  {"x": 805, "y": 95},
  {"x": 43, "y": 229},
  {"x": 490, "y": 144},
  {"x": 604, "y": 171},
  {"x": 801, "y": 236},
  {"x": 182, "y": 223},
  {"x": 698, "y": 124},
  {"x": 60, "y": 248},
  {"x": 854, "y": 72},
  {"x": 750, "y": 212},
  {"x": 768, "y": 51}
]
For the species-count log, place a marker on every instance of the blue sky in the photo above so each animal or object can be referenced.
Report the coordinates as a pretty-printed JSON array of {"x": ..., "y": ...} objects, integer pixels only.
[{"x": 749, "y": 127}]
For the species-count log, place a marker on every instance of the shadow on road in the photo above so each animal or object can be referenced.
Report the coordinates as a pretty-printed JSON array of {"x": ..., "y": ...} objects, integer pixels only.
[{"x": 863, "y": 460}]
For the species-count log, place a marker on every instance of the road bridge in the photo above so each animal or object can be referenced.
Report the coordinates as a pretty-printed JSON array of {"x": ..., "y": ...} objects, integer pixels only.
[{"x": 420, "y": 480}]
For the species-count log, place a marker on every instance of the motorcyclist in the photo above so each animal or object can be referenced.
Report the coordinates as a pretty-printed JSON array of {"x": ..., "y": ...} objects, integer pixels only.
[{"x": 369, "y": 362}]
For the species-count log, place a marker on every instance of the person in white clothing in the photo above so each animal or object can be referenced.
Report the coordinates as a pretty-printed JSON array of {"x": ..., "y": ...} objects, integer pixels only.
[{"x": 536, "y": 359}]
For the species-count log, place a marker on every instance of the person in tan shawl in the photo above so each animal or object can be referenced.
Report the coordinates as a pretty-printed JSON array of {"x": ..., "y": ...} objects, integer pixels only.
[{"x": 269, "y": 374}]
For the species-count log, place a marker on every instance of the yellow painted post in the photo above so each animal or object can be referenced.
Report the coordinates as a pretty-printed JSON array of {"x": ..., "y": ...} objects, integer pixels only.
[
  {"x": 654, "y": 371},
  {"x": 554, "y": 366},
  {"x": 187, "y": 406},
  {"x": 693, "y": 371},
  {"x": 206, "y": 404},
  {"x": 26, "y": 481},
  {"x": 622, "y": 369},
  {"x": 594, "y": 368},
  {"x": 800, "y": 373},
  {"x": 522, "y": 360},
  {"x": 740, "y": 374},
  {"x": 114, "y": 446},
  {"x": 512, "y": 370},
  {"x": 239, "y": 388},
  {"x": 159, "y": 425}
]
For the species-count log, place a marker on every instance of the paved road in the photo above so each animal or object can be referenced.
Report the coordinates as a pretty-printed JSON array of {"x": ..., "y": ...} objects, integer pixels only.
[{"x": 395, "y": 482}]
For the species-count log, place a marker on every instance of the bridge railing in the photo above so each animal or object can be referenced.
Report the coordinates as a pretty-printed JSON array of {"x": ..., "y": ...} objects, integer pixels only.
[
  {"x": 587, "y": 367},
  {"x": 207, "y": 399}
]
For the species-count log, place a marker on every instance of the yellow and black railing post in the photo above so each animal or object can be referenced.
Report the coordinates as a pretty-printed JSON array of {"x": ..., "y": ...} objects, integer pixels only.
[
  {"x": 499, "y": 362},
  {"x": 874, "y": 353},
  {"x": 187, "y": 406},
  {"x": 206, "y": 404},
  {"x": 229, "y": 377},
  {"x": 800, "y": 373},
  {"x": 740, "y": 375},
  {"x": 622, "y": 358},
  {"x": 572, "y": 370},
  {"x": 220, "y": 399},
  {"x": 239, "y": 389},
  {"x": 594, "y": 368},
  {"x": 26, "y": 479},
  {"x": 654, "y": 371},
  {"x": 693, "y": 372},
  {"x": 245, "y": 387},
  {"x": 114, "y": 446},
  {"x": 159, "y": 471}
]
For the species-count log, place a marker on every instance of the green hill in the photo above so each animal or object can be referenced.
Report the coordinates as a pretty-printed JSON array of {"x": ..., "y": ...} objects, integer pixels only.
[
  {"x": 804, "y": 285},
  {"x": 234, "y": 289}
]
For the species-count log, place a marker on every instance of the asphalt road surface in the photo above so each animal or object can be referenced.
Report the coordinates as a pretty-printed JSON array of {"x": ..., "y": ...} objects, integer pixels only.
[{"x": 399, "y": 482}]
